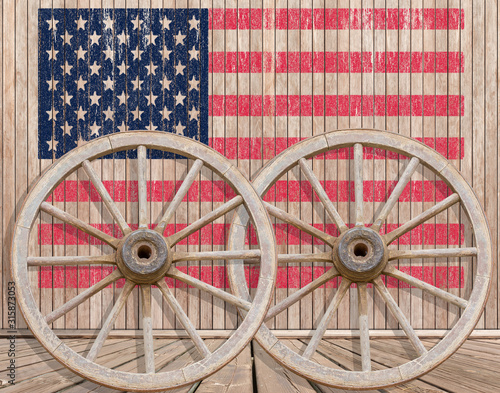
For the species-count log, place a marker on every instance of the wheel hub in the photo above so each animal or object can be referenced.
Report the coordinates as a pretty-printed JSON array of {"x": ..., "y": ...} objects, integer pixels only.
[
  {"x": 360, "y": 254},
  {"x": 144, "y": 256}
]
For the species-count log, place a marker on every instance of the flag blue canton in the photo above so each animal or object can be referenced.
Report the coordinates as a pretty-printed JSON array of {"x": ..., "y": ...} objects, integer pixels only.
[{"x": 102, "y": 71}]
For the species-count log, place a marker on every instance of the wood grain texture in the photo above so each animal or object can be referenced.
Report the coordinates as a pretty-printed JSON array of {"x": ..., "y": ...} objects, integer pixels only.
[{"x": 476, "y": 132}]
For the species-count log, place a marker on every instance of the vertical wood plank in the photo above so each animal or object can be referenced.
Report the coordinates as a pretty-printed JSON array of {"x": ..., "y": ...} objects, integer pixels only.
[
  {"x": 379, "y": 165},
  {"x": 306, "y": 128},
  {"x": 429, "y": 89},
  {"x": 331, "y": 123},
  {"x": 318, "y": 164},
  {"x": 416, "y": 130},
  {"x": 21, "y": 146},
  {"x": 491, "y": 152}
]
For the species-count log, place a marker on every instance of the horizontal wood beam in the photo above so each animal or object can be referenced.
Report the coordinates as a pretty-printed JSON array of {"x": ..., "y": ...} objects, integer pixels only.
[{"x": 218, "y": 334}]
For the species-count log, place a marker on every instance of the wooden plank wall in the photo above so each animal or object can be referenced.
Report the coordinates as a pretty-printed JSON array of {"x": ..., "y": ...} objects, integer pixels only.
[{"x": 318, "y": 72}]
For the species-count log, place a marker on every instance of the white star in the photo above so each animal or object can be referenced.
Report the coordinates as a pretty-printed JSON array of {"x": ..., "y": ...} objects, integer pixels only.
[
  {"x": 81, "y": 83},
  {"x": 179, "y": 68},
  {"x": 151, "y": 69},
  {"x": 136, "y": 83},
  {"x": 193, "y": 54},
  {"x": 166, "y": 113},
  {"x": 179, "y": 99},
  {"x": 67, "y": 37},
  {"x": 193, "y": 114},
  {"x": 122, "y": 68},
  {"x": 94, "y": 39},
  {"x": 166, "y": 83},
  {"x": 66, "y": 98},
  {"x": 52, "y": 84},
  {"x": 52, "y": 145},
  {"x": 179, "y": 129},
  {"x": 108, "y": 23},
  {"x": 95, "y": 68},
  {"x": 122, "y": 97},
  {"x": 67, "y": 128},
  {"x": 135, "y": 22},
  {"x": 94, "y": 130},
  {"x": 52, "y": 114},
  {"x": 166, "y": 23},
  {"x": 67, "y": 68},
  {"x": 137, "y": 53},
  {"x": 52, "y": 23},
  {"x": 179, "y": 38},
  {"x": 122, "y": 127},
  {"x": 52, "y": 53},
  {"x": 94, "y": 99},
  {"x": 137, "y": 113},
  {"x": 81, "y": 54},
  {"x": 151, "y": 99},
  {"x": 81, "y": 22},
  {"x": 108, "y": 83},
  {"x": 193, "y": 83},
  {"x": 109, "y": 54},
  {"x": 108, "y": 113},
  {"x": 153, "y": 38},
  {"x": 122, "y": 38},
  {"x": 166, "y": 53},
  {"x": 81, "y": 114},
  {"x": 193, "y": 23}
]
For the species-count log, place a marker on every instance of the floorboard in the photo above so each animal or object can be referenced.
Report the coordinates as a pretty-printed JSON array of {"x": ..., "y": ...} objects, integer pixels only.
[{"x": 473, "y": 368}]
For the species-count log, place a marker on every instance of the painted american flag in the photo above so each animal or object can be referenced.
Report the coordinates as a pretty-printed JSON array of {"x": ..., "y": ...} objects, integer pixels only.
[{"x": 109, "y": 70}]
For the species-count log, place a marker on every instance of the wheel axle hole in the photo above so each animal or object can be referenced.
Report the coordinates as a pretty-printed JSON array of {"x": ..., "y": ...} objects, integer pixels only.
[
  {"x": 144, "y": 252},
  {"x": 360, "y": 250}
]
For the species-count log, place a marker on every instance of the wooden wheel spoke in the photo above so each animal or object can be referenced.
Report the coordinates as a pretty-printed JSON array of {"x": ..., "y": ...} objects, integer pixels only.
[
  {"x": 142, "y": 186},
  {"x": 304, "y": 291},
  {"x": 421, "y": 218},
  {"x": 400, "y": 317},
  {"x": 396, "y": 193},
  {"x": 433, "y": 253},
  {"x": 223, "y": 295},
  {"x": 306, "y": 258},
  {"x": 364, "y": 333},
  {"x": 79, "y": 224},
  {"x": 325, "y": 320},
  {"x": 110, "y": 321},
  {"x": 183, "y": 319},
  {"x": 72, "y": 260},
  {"x": 457, "y": 301},
  {"x": 358, "y": 184},
  {"x": 106, "y": 198},
  {"x": 213, "y": 255},
  {"x": 179, "y": 196},
  {"x": 80, "y": 298},
  {"x": 147, "y": 329},
  {"x": 208, "y": 218},
  {"x": 323, "y": 197},
  {"x": 299, "y": 224}
]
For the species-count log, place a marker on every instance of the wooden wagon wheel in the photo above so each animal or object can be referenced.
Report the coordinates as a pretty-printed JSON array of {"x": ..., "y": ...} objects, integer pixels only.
[
  {"x": 144, "y": 257},
  {"x": 361, "y": 255}
]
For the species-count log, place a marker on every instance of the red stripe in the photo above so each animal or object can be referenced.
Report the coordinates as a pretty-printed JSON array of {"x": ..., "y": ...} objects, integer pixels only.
[
  {"x": 267, "y": 148},
  {"x": 216, "y": 234},
  {"x": 292, "y": 191},
  {"x": 336, "y": 62},
  {"x": 333, "y": 105},
  {"x": 336, "y": 19},
  {"x": 288, "y": 277}
]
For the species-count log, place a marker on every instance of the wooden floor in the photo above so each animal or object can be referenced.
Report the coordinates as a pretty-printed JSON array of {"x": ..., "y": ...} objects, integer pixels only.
[{"x": 474, "y": 368}]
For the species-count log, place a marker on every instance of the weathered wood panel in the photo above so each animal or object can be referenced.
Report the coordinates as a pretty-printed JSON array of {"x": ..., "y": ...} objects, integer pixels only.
[{"x": 278, "y": 72}]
